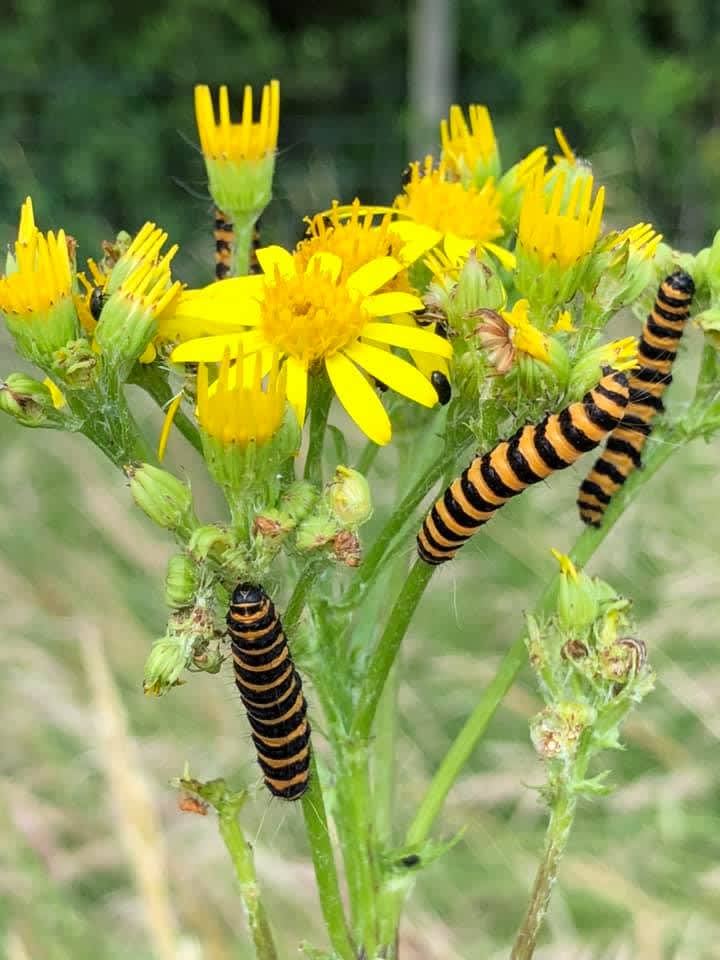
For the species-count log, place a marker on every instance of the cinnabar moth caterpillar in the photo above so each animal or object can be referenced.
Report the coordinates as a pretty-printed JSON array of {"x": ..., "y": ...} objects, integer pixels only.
[
  {"x": 529, "y": 456},
  {"x": 271, "y": 691},
  {"x": 224, "y": 234},
  {"x": 255, "y": 267},
  {"x": 659, "y": 342}
]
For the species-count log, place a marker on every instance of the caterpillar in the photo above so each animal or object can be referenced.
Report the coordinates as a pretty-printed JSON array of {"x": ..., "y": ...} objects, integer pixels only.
[
  {"x": 224, "y": 234},
  {"x": 530, "y": 455},
  {"x": 658, "y": 346},
  {"x": 271, "y": 691},
  {"x": 255, "y": 267}
]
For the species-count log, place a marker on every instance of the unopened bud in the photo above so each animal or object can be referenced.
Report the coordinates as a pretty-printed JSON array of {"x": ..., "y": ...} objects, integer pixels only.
[
  {"x": 166, "y": 500},
  {"x": 27, "y": 400},
  {"x": 478, "y": 287},
  {"x": 77, "y": 362},
  {"x": 273, "y": 524},
  {"x": 210, "y": 541},
  {"x": 348, "y": 497},
  {"x": 316, "y": 532},
  {"x": 299, "y": 499},
  {"x": 168, "y": 657},
  {"x": 576, "y": 602},
  {"x": 181, "y": 581},
  {"x": 346, "y": 548}
]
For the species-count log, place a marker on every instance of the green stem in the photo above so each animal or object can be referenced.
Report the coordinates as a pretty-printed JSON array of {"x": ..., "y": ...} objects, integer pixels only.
[
  {"x": 154, "y": 382},
  {"x": 105, "y": 419},
  {"x": 388, "y": 646},
  {"x": 323, "y": 858},
  {"x": 319, "y": 410},
  {"x": 297, "y": 601},
  {"x": 367, "y": 457},
  {"x": 241, "y": 854},
  {"x": 244, "y": 227},
  {"x": 384, "y": 759}
]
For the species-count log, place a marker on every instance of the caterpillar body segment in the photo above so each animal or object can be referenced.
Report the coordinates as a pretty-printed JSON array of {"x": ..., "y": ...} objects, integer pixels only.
[
  {"x": 271, "y": 691},
  {"x": 224, "y": 234},
  {"x": 657, "y": 350},
  {"x": 528, "y": 457}
]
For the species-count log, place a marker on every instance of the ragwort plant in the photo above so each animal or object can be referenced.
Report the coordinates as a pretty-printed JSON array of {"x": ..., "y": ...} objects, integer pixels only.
[{"x": 470, "y": 309}]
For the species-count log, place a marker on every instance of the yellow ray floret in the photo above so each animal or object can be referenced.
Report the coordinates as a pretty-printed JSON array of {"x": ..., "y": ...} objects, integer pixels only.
[
  {"x": 464, "y": 145},
  {"x": 557, "y": 232},
  {"x": 526, "y": 338},
  {"x": 312, "y": 316},
  {"x": 223, "y": 140},
  {"x": 43, "y": 276}
]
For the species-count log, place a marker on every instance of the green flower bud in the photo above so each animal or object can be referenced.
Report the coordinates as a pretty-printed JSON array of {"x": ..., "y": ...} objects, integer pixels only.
[
  {"x": 299, "y": 499},
  {"x": 576, "y": 602},
  {"x": 478, "y": 287},
  {"x": 181, "y": 581},
  {"x": 316, "y": 532},
  {"x": 210, "y": 541},
  {"x": 29, "y": 402},
  {"x": 273, "y": 524},
  {"x": 168, "y": 658},
  {"x": 164, "y": 498},
  {"x": 125, "y": 329},
  {"x": 348, "y": 498},
  {"x": 76, "y": 363}
]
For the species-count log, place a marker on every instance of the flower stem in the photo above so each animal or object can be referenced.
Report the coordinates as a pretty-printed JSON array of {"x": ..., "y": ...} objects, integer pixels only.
[
  {"x": 319, "y": 410},
  {"x": 388, "y": 646},
  {"x": 324, "y": 863},
  {"x": 154, "y": 382},
  {"x": 244, "y": 227},
  {"x": 297, "y": 601}
]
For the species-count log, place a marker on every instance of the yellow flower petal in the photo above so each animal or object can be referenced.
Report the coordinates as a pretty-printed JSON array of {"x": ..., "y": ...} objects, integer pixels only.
[
  {"x": 211, "y": 349},
  {"x": 214, "y": 316},
  {"x": 418, "y": 238},
  {"x": 359, "y": 399},
  {"x": 328, "y": 263},
  {"x": 234, "y": 288},
  {"x": 371, "y": 276},
  {"x": 398, "y": 374},
  {"x": 167, "y": 424},
  {"x": 507, "y": 259},
  {"x": 297, "y": 382},
  {"x": 274, "y": 258},
  {"x": 56, "y": 394},
  {"x": 411, "y": 339},
  {"x": 148, "y": 354},
  {"x": 387, "y": 304},
  {"x": 457, "y": 248}
]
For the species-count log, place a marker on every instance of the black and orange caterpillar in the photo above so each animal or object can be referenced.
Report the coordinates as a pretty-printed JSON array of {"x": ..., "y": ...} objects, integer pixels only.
[
  {"x": 254, "y": 247},
  {"x": 224, "y": 234},
  {"x": 531, "y": 455},
  {"x": 658, "y": 347},
  {"x": 271, "y": 691}
]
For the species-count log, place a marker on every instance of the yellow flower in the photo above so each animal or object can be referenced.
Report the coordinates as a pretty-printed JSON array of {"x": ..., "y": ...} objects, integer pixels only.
[
  {"x": 558, "y": 233},
  {"x": 564, "y": 323},
  {"x": 470, "y": 152},
  {"x": 35, "y": 293},
  {"x": 352, "y": 233},
  {"x": 526, "y": 337},
  {"x": 620, "y": 354},
  {"x": 310, "y": 317},
  {"x": 239, "y": 157},
  {"x": 235, "y": 409},
  {"x": 436, "y": 209}
]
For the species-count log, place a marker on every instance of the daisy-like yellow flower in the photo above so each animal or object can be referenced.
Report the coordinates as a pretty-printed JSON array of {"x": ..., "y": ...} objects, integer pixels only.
[
  {"x": 239, "y": 157},
  {"x": 434, "y": 209},
  {"x": 356, "y": 234},
  {"x": 556, "y": 233},
  {"x": 235, "y": 409},
  {"x": 470, "y": 151},
  {"x": 309, "y": 317},
  {"x": 36, "y": 291}
]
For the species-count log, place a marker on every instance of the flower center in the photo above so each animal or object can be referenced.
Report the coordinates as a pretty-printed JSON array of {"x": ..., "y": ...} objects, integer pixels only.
[
  {"x": 308, "y": 316},
  {"x": 450, "y": 207}
]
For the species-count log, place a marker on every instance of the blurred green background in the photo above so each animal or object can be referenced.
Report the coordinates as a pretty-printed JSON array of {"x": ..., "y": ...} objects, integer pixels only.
[{"x": 97, "y": 124}]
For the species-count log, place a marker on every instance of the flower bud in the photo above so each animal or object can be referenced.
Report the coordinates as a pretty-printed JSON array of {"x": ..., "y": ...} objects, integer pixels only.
[
  {"x": 576, "y": 604},
  {"x": 125, "y": 329},
  {"x": 709, "y": 320},
  {"x": 316, "y": 532},
  {"x": 209, "y": 541},
  {"x": 28, "y": 401},
  {"x": 186, "y": 642},
  {"x": 181, "y": 581},
  {"x": 273, "y": 525},
  {"x": 299, "y": 499},
  {"x": 348, "y": 497},
  {"x": 76, "y": 363},
  {"x": 556, "y": 730},
  {"x": 164, "y": 498},
  {"x": 478, "y": 288}
]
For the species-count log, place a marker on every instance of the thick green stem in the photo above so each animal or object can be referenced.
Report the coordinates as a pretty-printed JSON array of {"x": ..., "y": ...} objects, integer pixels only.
[
  {"x": 244, "y": 227},
  {"x": 323, "y": 858},
  {"x": 319, "y": 409},
  {"x": 154, "y": 382},
  {"x": 359, "y": 842},
  {"x": 304, "y": 585},
  {"x": 388, "y": 646}
]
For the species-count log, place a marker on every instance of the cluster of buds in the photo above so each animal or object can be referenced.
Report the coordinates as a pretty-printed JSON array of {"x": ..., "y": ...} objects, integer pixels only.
[
  {"x": 591, "y": 670},
  {"x": 343, "y": 507},
  {"x": 190, "y": 642}
]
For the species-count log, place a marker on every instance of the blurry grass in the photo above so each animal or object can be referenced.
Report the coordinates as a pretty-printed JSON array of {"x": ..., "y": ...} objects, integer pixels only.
[{"x": 80, "y": 569}]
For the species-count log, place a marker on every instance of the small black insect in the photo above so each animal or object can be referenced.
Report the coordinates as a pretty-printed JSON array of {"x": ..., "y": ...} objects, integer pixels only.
[
  {"x": 98, "y": 298},
  {"x": 411, "y": 860},
  {"x": 442, "y": 387}
]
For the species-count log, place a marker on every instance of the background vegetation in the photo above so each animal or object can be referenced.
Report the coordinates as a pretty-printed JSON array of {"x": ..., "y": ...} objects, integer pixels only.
[{"x": 95, "y": 860}]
